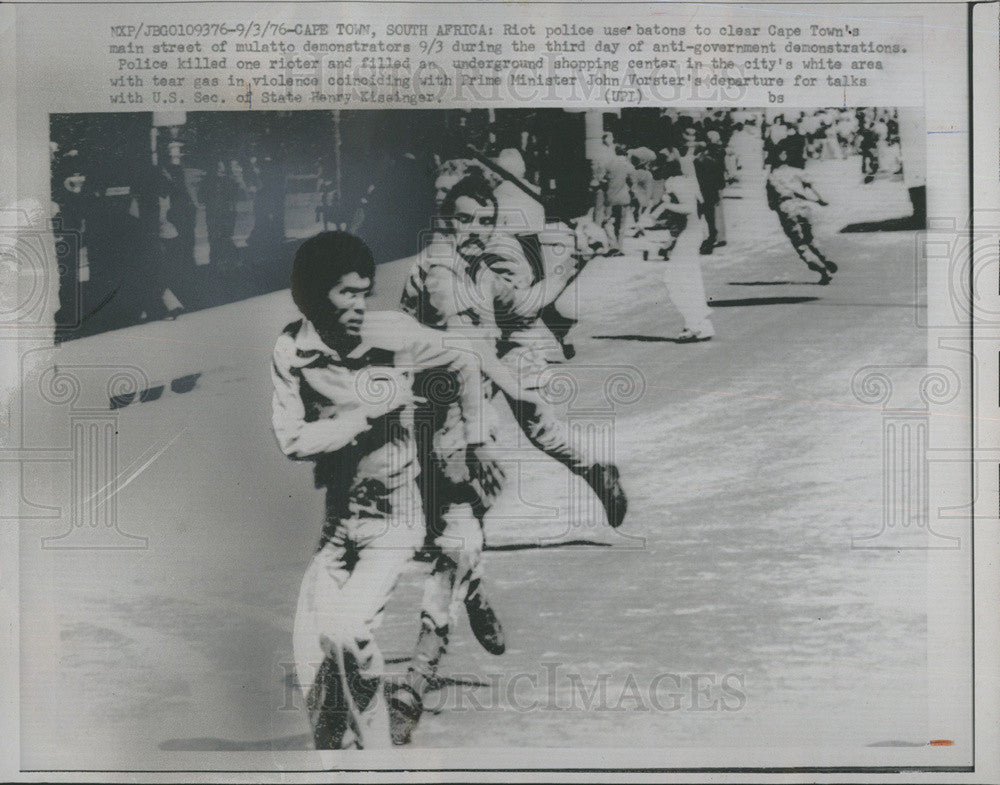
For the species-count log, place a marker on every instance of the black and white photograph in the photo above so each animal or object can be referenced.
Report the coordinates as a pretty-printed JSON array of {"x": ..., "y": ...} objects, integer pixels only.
[
  {"x": 480, "y": 429},
  {"x": 439, "y": 392}
]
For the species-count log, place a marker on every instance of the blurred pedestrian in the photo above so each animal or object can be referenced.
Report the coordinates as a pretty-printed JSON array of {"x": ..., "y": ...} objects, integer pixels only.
[
  {"x": 710, "y": 169},
  {"x": 682, "y": 269},
  {"x": 268, "y": 184},
  {"x": 611, "y": 172},
  {"x": 218, "y": 192}
]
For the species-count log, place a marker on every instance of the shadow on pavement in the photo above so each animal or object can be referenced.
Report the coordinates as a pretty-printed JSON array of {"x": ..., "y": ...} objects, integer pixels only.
[
  {"x": 529, "y": 546},
  {"x": 774, "y": 283},
  {"x": 646, "y": 338},
  {"x": 301, "y": 741},
  {"x": 910, "y": 223},
  {"x": 760, "y": 301}
]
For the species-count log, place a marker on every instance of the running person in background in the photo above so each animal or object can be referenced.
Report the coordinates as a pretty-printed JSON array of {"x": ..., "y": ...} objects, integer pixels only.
[
  {"x": 343, "y": 399},
  {"x": 449, "y": 288},
  {"x": 868, "y": 146},
  {"x": 655, "y": 205},
  {"x": 789, "y": 195}
]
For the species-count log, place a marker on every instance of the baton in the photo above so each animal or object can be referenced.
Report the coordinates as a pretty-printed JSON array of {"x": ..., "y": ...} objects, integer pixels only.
[{"x": 499, "y": 170}]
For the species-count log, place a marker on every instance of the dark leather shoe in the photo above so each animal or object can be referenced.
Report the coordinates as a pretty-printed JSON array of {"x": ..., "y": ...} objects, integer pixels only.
[{"x": 605, "y": 479}]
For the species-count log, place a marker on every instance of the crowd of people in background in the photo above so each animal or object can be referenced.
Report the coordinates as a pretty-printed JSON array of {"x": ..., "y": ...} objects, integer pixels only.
[
  {"x": 838, "y": 133},
  {"x": 708, "y": 150},
  {"x": 182, "y": 224},
  {"x": 138, "y": 228},
  {"x": 660, "y": 195}
]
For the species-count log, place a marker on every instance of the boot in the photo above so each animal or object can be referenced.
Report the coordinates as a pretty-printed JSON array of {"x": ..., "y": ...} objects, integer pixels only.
[{"x": 605, "y": 480}]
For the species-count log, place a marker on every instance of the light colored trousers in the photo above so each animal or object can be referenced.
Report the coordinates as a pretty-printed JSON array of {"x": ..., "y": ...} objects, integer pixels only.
[
  {"x": 346, "y": 586},
  {"x": 685, "y": 284},
  {"x": 686, "y": 290}
]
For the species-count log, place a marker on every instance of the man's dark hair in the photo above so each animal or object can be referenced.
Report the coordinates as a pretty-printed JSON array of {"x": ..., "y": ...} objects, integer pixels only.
[
  {"x": 320, "y": 263},
  {"x": 475, "y": 186},
  {"x": 794, "y": 149}
]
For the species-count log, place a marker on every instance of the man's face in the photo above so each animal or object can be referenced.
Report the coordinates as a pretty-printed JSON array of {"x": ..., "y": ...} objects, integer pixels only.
[
  {"x": 473, "y": 226},
  {"x": 349, "y": 300},
  {"x": 689, "y": 137},
  {"x": 442, "y": 185}
]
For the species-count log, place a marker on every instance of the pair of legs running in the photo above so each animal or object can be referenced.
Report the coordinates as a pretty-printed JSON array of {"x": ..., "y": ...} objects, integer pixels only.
[
  {"x": 798, "y": 230},
  {"x": 455, "y": 512},
  {"x": 338, "y": 663}
]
